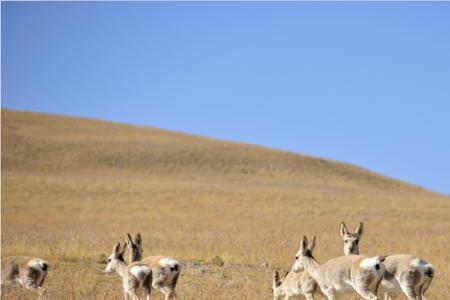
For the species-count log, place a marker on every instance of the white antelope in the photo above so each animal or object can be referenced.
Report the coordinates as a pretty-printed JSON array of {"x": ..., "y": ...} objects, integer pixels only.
[
  {"x": 406, "y": 273},
  {"x": 357, "y": 273},
  {"x": 135, "y": 276},
  {"x": 28, "y": 272},
  {"x": 293, "y": 285},
  {"x": 166, "y": 270}
]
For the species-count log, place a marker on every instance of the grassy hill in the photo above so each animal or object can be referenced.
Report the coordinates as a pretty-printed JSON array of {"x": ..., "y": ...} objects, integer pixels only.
[
  {"x": 71, "y": 187},
  {"x": 49, "y": 143}
]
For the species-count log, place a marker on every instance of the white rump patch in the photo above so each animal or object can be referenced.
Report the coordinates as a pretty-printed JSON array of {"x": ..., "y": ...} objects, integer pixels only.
[
  {"x": 168, "y": 262},
  {"x": 419, "y": 263},
  {"x": 37, "y": 264},
  {"x": 136, "y": 270},
  {"x": 369, "y": 263}
]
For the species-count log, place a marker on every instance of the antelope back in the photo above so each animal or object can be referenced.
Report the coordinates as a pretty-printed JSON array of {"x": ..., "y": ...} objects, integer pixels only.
[
  {"x": 344, "y": 269},
  {"x": 164, "y": 268},
  {"x": 417, "y": 269}
]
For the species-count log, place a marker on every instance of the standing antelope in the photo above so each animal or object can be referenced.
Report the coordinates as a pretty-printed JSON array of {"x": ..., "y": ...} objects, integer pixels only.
[
  {"x": 29, "y": 272},
  {"x": 343, "y": 274},
  {"x": 293, "y": 285},
  {"x": 407, "y": 273},
  {"x": 134, "y": 276},
  {"x": 165, "y": 269}
]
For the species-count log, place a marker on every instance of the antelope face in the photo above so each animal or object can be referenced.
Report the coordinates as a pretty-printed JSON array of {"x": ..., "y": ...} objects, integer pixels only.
[
  {"x": 110, "y": 267},
  {"x": 351, "y": 243},
  {"x": 299, "y": 262},
  {"x": 351, "y": 240},
  {"x": 114, "y": 258}
]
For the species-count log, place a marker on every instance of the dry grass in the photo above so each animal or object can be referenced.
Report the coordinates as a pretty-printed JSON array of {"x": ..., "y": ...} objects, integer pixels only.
[{"x": 73, "y": 187}]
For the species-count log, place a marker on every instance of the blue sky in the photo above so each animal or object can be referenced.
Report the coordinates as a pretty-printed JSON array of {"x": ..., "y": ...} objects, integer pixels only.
[{"x": 365, "y": 83}]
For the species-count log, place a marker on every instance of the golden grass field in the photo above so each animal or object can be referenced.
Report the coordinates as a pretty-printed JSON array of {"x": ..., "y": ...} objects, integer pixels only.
[{"x": 73, "y": 187}]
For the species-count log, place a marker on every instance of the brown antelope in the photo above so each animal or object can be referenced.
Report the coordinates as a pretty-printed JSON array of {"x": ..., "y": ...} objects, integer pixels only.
[
  {"x": 28, "y": 272},
  {"x": 134, "y": 276},
  {"x": 357, "y": 273},
  {"x": 293, "y": 285},
  {"x": 165, "y": 269},
  {"x": 409, "y": 274}
]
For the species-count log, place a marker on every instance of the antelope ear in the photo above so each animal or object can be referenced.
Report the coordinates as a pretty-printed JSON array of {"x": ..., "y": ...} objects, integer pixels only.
[
  {"x": 344, "y": 230},
  {"x": 304, "y": 245},
  {"x": 276, "y": 274},
  {"x": 129, "y": 241},
  {"x": 313, "y": 244},
  {"x": 359, "y": 229},
  {"x": 276, "y": 278},
  {"x": 116, "y": 249},
  {"x": 138, "y": 240},
  {"x": 124, "y": 247}
]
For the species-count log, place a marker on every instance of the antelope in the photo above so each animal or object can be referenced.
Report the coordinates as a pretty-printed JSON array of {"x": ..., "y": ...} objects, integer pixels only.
[
  {"x": 134, "y": 276},
  {"x": 28, "y": 272},
  {"x": 357, "y": 273},
  {"x": 165, "y": 269},
  {"x": 293, "y": 285},
  {"x": 407, "y": 273}
]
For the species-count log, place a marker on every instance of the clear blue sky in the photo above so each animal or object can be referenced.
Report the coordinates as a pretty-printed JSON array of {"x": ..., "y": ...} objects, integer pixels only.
[{"x": 365, "y": 83}]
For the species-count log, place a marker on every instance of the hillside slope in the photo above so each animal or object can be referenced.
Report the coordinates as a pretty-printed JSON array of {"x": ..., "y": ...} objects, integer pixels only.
[{"x": 48, "y": 143}]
